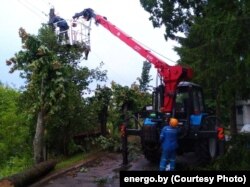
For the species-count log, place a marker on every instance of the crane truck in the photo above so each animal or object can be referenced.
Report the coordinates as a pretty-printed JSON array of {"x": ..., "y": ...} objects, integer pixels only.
[{"x": 200, "y": 131}]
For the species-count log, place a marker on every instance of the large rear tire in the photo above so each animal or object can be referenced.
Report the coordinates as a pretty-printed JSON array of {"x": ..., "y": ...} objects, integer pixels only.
[
  {"x": 207, "y": 148},
  {"x": 152, "y": 153},
  {"x": 150, "y": 140},
  {"x": 202, "y": 152}
]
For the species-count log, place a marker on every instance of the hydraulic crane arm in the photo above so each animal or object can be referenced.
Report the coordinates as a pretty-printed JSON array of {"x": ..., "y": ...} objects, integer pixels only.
[{"x": 171, "y": 75}]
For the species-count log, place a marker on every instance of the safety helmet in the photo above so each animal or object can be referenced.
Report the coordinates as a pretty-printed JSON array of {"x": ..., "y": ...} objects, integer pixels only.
[{"x": 173, "y": 122}]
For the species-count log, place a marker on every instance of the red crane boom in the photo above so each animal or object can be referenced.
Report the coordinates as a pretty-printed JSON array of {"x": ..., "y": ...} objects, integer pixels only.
[{"x": 171, "y": 75}]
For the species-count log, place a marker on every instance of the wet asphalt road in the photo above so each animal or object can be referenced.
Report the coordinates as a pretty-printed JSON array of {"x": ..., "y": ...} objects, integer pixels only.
[{"x": 104, "y": 171}]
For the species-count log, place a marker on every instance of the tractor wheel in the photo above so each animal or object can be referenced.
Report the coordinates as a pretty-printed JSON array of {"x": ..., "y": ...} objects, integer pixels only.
[
  {"x": 150, "y": 143},
  {"x": 207, "y": 148},
  {"x": 212, "y": 147},
  {"x": 216, "y": 145},
  {"x": 202, "y": 152},
  {"x": 152, "y": 152}
]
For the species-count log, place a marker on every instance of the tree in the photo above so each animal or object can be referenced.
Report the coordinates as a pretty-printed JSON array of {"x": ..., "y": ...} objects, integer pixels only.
[
  {"x": 217, "y": 48},
  {"x": 14, "y": 133},
  {"x": 45, "y": 65},
  {"x": 126, "y": 101},
  {"x": 103, "y": 97},
  {"x": 177, "y": 15},
  {"x": 215, "y": 45},
  {"x": 145, "y": 78}
]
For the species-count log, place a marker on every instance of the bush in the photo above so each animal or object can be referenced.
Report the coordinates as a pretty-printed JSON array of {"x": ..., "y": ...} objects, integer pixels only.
[
  {"x": 14, "y": 165},
  {"x": 237, "y": 156},
  {"x": 109, "y": 143}
]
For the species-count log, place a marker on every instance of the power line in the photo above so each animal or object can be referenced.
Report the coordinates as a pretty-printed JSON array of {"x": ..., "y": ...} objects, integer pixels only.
[
  {"x": 47, "y": 3},
  {"x": 38, "y": 9},
  {"x": 30, "y": 9},
  {"x": 156, "y": 52}
]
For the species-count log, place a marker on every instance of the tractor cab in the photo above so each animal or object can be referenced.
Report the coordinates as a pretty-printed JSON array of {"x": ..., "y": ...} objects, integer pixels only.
[
  {"x": 188, "y": 108},
  {"x": 188, "y": 101}
]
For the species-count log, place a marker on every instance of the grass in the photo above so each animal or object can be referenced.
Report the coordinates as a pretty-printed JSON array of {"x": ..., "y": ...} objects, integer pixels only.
[
  {"x": 73, "y": 160},
  {"x": 67, "y": 162}
]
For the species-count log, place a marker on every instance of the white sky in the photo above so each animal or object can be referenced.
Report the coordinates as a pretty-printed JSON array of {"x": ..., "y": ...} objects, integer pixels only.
[{"x": 123, "y": 64}]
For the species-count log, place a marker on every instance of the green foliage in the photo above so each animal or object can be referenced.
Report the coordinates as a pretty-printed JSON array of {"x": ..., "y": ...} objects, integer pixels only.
[
  {"x": 55, "y": 86},
  {"x": 237, "y": 156},
  {"x": 126, "y": 98},
  {"x": 176, "y": 15},
  {"x": 101, "y": 180},
  {"x": 215, "y": 45},
  {"x": 114, "y": 144},
  {"x": 15, "y": 142},
  {"x": 43, "y": 71},
  {"x": 15, "y": 164},
  {"x": 109, "y": 143},
  {"x": 134, "y": 149},
  {"x": 216, "y": 48},
  {"x": 101, "y": 101},
  {"x": 132, "y": 97},
  {"x": 145, "y": 78},
  {"x": 65, "y": 162}
]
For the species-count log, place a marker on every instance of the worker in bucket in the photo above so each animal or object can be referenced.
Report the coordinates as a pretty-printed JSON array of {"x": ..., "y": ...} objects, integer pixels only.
[
  {"x": 56, "y": 21},
  {"x": 87, "y": 14},
  {"x": 169, "y": 144}
]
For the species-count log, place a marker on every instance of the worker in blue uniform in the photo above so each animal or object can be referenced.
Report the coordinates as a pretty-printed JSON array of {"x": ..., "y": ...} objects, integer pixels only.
[
  {"x": 87, "y": 14},
  {"x": 56, "y": 21},
  {"x": 169, "y": 144}
]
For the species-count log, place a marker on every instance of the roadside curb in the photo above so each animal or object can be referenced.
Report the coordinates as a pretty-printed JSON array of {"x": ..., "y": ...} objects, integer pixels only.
[{"x": 51, "y": 176}]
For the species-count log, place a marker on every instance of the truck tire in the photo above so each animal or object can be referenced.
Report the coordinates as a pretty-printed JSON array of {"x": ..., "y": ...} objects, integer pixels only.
[
  {"x": 150, "y": 138},
  {"x": 212, "y": 147},
  {"x": 207, "y": 148},
  {"x": 218, "y": 143},
  {"x": 202, "y": 152},
  {"x": 152, "y": 153}
]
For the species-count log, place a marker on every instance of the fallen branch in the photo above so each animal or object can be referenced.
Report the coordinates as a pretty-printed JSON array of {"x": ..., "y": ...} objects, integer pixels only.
[{"x": 28, "y": 176}]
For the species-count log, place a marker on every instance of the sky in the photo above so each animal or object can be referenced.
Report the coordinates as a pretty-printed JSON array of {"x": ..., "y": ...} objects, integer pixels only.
[{"x": 122, "y": 63}]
